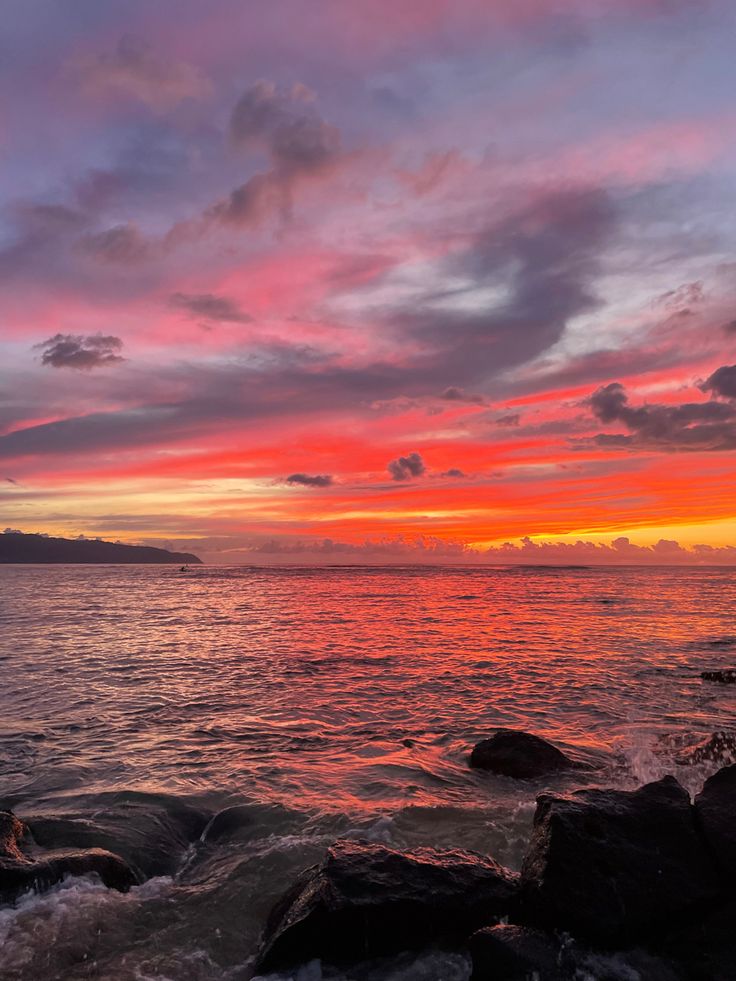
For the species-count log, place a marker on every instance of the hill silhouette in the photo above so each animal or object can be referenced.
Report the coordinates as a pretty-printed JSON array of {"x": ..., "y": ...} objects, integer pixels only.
[{"x": 16, "y": 547}]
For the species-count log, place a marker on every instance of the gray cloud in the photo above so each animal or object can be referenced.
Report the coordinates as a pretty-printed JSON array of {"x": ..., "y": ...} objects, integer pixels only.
[
  {"x": 406, "y": 467},
  {"x": 134, "y": 69},
  {"x": 722, "y": 382},
  {"x": 453, "y": 472},
  {"x": 211, "y": 307},
  {"x": 123, "y": 244},
  {"x": 299, "y": 142},
  {"x": 306, "y": 480},
  {"x": 454, "y": 394},
  {"x": 691, "y": 426},
  {"x": 78, "y": 351},
  {"x": 546, "y": 256}
]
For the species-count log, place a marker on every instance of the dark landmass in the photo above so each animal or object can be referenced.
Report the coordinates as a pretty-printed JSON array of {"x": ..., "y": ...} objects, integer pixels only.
[{"x": 19, "y": 548}]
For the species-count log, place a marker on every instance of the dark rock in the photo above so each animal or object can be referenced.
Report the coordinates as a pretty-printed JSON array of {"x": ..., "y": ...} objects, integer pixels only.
[
  {"x": 367, "y": 900},
  {"x": 718, "y": 748},
  {"x": 246, "y": 821},
  {"x": 715, "y": 810},
  {"x": 11, "y": 834},
  {"x": 612, "y": 865},
  {"x": 150, "y": 831},
  {"x": 512, "y": 753},
  {"x": 515, "y": 953},
  {"x": 705, "y": 949},
  {"x": 727, "y": 677},
  {"x": 20, "y": 875}
]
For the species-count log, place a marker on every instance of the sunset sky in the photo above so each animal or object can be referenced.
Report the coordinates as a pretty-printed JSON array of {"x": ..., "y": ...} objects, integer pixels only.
[{"x": 317, "y": 280}]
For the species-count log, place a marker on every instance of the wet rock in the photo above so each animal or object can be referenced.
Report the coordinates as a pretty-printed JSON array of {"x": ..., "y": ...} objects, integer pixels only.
[
  {"x": 705, "y": 949},
  {"x": 514, "y": 953},
  {"x": 715, "y": 809},
  {"x": 245, "y": 821},
  {"x": 727, "y": 677},
  {"x": 612, "y": 865},
  {"x": 513, "y": 753},
  {"x": 11, "y": 835},
  {"x": 18, "y": 875},
  {"x": 718, "y": 748},
  {"x": 150, "y": 831},
  {"x": 366, "y": 900}
]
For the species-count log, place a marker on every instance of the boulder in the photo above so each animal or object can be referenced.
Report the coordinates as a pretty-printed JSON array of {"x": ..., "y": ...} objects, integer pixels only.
[
  {"x": 613, "y": 865},
  {"x": 366, "y": 900},
  {"x": 715, "y": 810},
  {"x": 513, "y": 753},
  {"x": 718, "y": 748},
  {"x": 20, "y": 875},
  {"x": 150, "y": 831},
  {"x": 515, "y": 953},
  {"x": 727, "y": 677}
]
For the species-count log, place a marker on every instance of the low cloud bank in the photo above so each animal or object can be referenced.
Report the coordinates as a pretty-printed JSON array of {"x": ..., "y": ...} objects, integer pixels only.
[{"x": 428, "y": 550}]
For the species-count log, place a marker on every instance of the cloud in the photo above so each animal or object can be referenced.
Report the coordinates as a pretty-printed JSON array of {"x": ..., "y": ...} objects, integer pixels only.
[
  {"x": 78, "y": 351},
  {"x": 453, "y": 472},
  {"x": 134, "y": 69},
  {"x": 10, "y": 480},
  {"x": 299, "y": 143},
  {"x": 689, "y": 426},
  {"x": 722, "y": 382},
  {"x": 510, "y": 419},
  {"x": 543, "y": 259},
  {"x": 211, "y": 307},
  {"x": 406, "y": 467},
  {"x": 453, "y": 394},
  {"x": 305, "y": 480},
  {"x": 730, "y": 327},
  {"x": 124, "y": 244}
]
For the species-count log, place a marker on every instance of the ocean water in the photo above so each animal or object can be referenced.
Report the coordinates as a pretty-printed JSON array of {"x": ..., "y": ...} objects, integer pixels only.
[{"x": 331, "y": 702}]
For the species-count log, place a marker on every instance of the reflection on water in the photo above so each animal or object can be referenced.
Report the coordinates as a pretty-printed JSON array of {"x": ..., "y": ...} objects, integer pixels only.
[{"x": 334, "y": 701}]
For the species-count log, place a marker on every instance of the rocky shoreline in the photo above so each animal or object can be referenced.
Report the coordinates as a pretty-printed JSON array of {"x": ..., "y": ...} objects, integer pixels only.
[{"x": 644, "y": 876}]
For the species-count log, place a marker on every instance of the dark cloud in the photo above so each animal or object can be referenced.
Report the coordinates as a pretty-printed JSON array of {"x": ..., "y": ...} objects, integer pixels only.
[
  {"x": 211, "y": 307},
  {"x": 730, "y": 327},
  {"x": 287, "y": 125},
  {"x": 510, "y": 419},
  {"x": 690, "y": 426},
  {"x": 123, "y": 244},
  {"x": 298, "y": 141},
  {"x": 10, "y": 480},
  {"x": 306, "y": 480},
  {"x": 453, "y": 472},
  {"x": 134, "y": 69},
  {"x": 406, "y": 467},
  {"x": 78, "y": 351},
  {"x": 453, "y": 394},
  {"x": 722, "y": 382},
  {"x": 545, "y": 257}
]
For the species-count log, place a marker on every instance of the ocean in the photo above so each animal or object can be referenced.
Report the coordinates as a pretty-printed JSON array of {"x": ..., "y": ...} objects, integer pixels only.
[{"x": 331, "y": 702}]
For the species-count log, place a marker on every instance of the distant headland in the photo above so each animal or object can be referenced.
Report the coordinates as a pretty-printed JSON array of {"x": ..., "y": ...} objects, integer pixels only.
[{"x": 16, "y": 547}]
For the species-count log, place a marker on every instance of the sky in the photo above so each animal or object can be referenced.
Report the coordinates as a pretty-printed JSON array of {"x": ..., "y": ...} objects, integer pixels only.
[{"x": 307, "y": 280}]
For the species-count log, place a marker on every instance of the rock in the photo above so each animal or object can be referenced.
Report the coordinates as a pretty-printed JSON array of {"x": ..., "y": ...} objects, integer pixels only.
[
  {"x": 727, "y": 677},
  {"x": 366, "y": 900},
  {"x": 515, "y": 953},
  {"x": 246, "y": 821},
  {"x": 715, "y": 810},
  {"x": 611, "y": 865},
  {"x": 19, "y": 875},
  {"x": 718, "y": 748},
  {"x": 512, "y": 753},
  {"x": 150, "y": 831},
  {"x": 11, "y": 834},
  {"x": 703, "y": 950}
]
